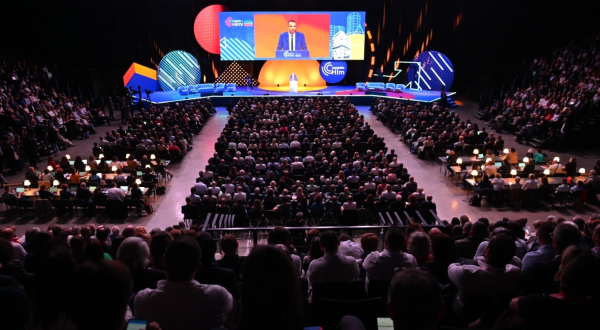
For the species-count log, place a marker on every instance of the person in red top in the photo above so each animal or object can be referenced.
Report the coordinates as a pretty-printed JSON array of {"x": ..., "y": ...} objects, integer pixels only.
[{"x": 175, "y": 152}]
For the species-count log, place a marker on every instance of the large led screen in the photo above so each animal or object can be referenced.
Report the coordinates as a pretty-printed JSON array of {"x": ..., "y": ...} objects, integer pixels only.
[{"x": 249, "y": 36}]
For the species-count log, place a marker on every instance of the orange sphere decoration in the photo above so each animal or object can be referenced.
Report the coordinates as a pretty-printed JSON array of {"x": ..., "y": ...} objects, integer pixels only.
[
  {"x": 276, "y": 72},
  {"x": 206, "y": 28}
]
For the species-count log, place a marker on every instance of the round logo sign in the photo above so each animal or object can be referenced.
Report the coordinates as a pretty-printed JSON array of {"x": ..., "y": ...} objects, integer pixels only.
[{"x": 333, "y": 71}]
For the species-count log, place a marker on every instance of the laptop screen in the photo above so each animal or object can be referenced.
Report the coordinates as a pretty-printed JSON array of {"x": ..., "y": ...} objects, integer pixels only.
[
  {"x": 20, "y": 189},
  {"x": 498, "y": 164},
  {"x": 73, "y": 188},
  {"x": 92, "y": 188},
  {"x": 481, "y": 156},
  {"x": 521, "y": 164},
  {"x": 71, "y": 162},
  {"x": 139, "y": 173},
  {"x": 53, "y": 189},
  {"x": 125, "y": 188},
  {"x": 84, "y": 161},
  {"x": 109, "y": 162},
  {"x": 81, "y": 173}
]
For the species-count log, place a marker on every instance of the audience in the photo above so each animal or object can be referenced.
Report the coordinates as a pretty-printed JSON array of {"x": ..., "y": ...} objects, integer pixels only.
[{"x": 202, "y": 306}]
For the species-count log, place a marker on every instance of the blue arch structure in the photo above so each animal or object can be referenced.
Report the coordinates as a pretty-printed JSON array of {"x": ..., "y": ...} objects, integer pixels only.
[
  {"x": 437, "y": 71},
  {"x": 178, "y": 68}
]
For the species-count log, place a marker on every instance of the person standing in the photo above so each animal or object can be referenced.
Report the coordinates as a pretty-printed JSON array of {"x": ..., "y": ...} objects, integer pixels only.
[
  {"x": 111, "y": 108},
  {"x": 125, "y": 113},
  {"x": 30, "y": 148}
]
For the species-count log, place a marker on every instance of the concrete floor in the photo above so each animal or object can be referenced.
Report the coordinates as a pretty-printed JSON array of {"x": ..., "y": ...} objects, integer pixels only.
[{"x": 451, "y": 200}]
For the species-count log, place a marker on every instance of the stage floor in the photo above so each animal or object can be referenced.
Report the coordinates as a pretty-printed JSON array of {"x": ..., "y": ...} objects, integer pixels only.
[{"x": 409, "y": 94}]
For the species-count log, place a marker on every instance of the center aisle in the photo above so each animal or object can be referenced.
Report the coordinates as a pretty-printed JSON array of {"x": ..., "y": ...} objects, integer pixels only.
[{"x": 168, "y": 210}]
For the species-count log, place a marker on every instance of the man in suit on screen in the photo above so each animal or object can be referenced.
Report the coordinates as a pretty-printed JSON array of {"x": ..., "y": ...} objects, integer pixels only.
[{"x": 291, "y": 40}]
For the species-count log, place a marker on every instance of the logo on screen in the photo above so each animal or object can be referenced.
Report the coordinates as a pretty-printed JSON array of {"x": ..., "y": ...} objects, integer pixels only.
[
  {"x": 235, "y": 22},
  {"x": 333, "y": 71}
]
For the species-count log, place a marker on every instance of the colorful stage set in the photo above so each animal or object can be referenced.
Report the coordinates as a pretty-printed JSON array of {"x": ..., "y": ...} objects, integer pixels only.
[{"x": 297, "y": 64}]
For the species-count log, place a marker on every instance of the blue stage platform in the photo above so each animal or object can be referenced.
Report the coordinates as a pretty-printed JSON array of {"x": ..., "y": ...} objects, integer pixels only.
[{"x": 412, "y": 95}]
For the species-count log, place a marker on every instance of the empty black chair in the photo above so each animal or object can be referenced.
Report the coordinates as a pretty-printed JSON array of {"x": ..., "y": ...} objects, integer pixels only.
[
  {"x": 338, "y": 290},
  {"x": 330, "y": 311}
]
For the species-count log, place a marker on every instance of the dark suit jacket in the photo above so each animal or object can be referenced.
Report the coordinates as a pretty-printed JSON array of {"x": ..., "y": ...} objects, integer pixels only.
[
  {"x": 220, "y": 276},
  {"x": 467, "y": 247},
  {"x": 232, "y": 262},
  {"x": 190, "y": 211},
  {"x": 284, "y": 41}
]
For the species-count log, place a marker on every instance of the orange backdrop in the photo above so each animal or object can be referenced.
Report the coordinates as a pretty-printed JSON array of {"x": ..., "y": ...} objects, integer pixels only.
[
  {"x": 268, "y": 27},
  {"x": 278, "y": 72}
]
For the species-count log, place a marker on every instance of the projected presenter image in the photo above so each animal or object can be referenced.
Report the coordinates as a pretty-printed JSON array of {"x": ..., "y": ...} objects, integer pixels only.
[{"x": 292, "y": 39}]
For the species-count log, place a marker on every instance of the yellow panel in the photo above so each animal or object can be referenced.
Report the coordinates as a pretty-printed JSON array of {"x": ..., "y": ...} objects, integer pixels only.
[
  {"x": 145, "y": 71},
  {"x": 357, "y": 46}
]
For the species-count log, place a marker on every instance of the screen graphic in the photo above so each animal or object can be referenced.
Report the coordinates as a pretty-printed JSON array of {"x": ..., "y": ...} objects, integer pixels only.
[{"x": 247, "y": 36}]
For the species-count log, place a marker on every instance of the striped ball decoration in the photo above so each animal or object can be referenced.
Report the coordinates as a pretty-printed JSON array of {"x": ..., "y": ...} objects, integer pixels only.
[
  {"x": 436, "y": 71},
  {"x": 178, "y": 68}
]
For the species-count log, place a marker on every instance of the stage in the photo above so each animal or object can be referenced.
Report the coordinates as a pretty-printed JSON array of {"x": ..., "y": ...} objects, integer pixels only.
[{"x": 412, "y": 95}]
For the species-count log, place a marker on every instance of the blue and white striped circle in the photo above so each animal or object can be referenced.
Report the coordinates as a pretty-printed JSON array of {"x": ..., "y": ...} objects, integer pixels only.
[
  {"x": 178, "y": 68},
  {"x": 436, "y": 71}
]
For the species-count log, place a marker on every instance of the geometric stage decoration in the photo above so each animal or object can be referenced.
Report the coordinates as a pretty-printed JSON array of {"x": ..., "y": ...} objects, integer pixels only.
[
  {"x": 142, "y": 76},
  {"x": 235, "y": 74},
  {"x": 206, "y": 28},
  {"x": 178, "y": 68},
  {"x": 275, "y": 75},
  {"x": 436, "y": 71}
]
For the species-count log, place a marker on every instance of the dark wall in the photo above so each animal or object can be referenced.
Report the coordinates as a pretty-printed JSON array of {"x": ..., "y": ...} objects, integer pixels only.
[{"x": 94, "y": 41}]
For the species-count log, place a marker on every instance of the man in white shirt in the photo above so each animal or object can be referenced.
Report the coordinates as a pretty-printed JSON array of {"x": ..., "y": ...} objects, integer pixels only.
[
  {"x": 564, "y": 187},
  {"x": 517, "y": 185},
  {"x": 195, "y": 199},
  {"x": 201, "y": 188},
  {"x": 295, "y": 144},
  {"x": 239, "y": 195},
  {"x": 532, "y": 183},
  {"x": 350, "y": 248},
  {"x": 213, "y": 187},
  {"x": 389, "y": 194},
  {"x": 9, "y": 235},
  {"x": 491, "y": 277},
  {"x": 349, "y": 205},
  {"x": 380, "y": 265},
  {"x": 297, "y": 164},
  {"x": 498, "y": 183},
  {"x": 115, "y": 193},
  {"x": 204, "y": 306},
  {"x": 229, "y": 187},
  {"x": 332, "y": 267}
]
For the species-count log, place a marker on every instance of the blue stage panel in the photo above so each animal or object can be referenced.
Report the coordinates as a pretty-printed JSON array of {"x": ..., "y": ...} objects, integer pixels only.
[{"x": 408, "y": 95}]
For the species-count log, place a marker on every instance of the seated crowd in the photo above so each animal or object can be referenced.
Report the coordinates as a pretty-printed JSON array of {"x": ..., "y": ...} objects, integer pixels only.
[
  {"x": 476, "y": 274},
  {"x": 37, "y": 119},
  {"x": 563, "y": 88},
  {"x": 313, "y": 160},
  {"x": 432, "y": 131}
]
